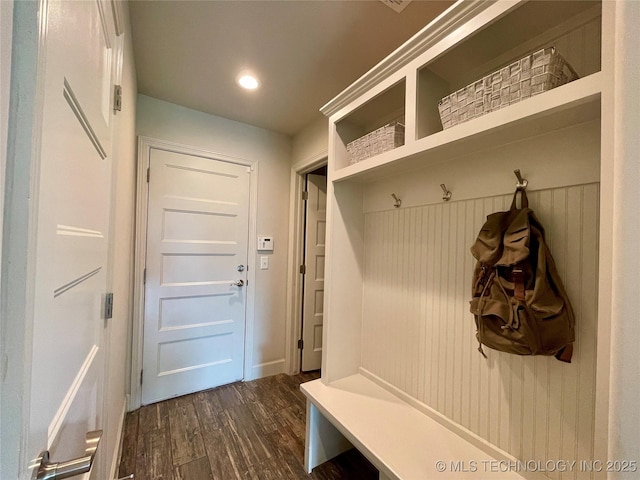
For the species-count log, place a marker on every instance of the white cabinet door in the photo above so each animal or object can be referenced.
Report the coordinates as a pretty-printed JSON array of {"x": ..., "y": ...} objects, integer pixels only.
[
  {"x": 312, "y": 314},
  {"x": 73, "y": 217},
  {"x": 195, "y": 293}
]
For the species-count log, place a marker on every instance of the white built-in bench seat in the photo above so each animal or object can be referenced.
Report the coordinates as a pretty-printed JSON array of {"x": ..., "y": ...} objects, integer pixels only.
[{"x": 397, "y": 438}]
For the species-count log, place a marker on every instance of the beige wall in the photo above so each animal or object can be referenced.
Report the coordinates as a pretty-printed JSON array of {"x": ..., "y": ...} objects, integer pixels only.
[
  {"x": 272, "y": 152},
  {"x": 310, "y": 144}
]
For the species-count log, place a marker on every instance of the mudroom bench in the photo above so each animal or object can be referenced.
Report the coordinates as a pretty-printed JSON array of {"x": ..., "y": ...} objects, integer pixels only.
[
  {"x": 397, "y": 438},
  {"x": 401, "y": 378}
]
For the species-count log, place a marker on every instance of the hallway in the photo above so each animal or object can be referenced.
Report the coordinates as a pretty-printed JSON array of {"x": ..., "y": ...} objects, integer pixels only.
[{"x": 245, "y": 430}]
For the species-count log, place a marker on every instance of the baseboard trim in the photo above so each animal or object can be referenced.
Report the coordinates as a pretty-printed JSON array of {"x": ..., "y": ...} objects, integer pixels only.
[
  {"x": 267, "y": 369},
  {"x": 115, "y": 461}
]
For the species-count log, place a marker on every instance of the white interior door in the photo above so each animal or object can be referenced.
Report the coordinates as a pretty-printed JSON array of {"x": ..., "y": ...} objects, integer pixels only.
[
  {"x": 312, "y": 314},
  {"x": 73, "y": 212},
  {"x": 196, "y": 274}
]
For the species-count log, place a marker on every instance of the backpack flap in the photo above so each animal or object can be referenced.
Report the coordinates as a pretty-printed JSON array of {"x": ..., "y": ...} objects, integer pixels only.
[
  {"x": 504, "y": 238},
  {"x": 516, "y": 240}
]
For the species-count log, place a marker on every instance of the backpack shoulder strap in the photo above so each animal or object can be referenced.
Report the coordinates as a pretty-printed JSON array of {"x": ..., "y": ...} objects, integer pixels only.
[{"x": 524, "y": 201}]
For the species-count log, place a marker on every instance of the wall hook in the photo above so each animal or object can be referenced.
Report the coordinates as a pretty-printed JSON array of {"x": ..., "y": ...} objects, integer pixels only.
[
  {"x": 522, "y": 182},
  {"x": 398, "y": 201},
  {"x": 446, "y": 194}
]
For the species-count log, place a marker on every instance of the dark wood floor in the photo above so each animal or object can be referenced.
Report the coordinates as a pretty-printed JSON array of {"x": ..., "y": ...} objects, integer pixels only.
[{"x": 246, "y": 430}]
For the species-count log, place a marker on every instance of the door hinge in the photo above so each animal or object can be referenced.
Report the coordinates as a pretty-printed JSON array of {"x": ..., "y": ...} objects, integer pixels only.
[
  {"x": 303, "y": 269},
  {"x": 141, "y": 371},
  {"x": 300, "y": 344},
  {"x": 148, "y": 174},
  {"x": 305, "y": 195},
  {"x": 108, "y": 306},
  {"x": 117, "y": 98},
  {"x": 144, "y": 276}
]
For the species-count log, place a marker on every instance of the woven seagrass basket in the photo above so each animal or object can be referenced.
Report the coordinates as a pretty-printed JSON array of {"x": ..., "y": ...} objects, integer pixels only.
[
  {"x": 381, "y": 140},
  {"x": 529, "y": 76}
]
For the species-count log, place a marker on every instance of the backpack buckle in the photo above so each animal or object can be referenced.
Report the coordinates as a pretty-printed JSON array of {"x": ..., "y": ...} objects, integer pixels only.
[{"x": 517, "y": 275}]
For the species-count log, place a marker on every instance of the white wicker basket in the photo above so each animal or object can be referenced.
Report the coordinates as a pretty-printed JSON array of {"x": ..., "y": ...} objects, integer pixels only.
[
  {"x": 529, "y": 76},
  {"x": 384, "y": 138}
]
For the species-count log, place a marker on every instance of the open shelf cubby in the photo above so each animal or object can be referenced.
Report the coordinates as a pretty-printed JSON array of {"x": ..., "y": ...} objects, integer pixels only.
[
  {"x": 572, "y": 28},
  {"x": 387, "y": 107}
]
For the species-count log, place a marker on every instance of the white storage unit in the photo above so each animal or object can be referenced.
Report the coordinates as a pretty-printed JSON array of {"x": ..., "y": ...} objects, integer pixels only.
[{"x": 398, "y": 280}]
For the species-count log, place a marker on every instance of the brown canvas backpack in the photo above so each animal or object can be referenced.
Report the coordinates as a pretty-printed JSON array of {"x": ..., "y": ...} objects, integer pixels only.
[{"x": 519, "y": 302}]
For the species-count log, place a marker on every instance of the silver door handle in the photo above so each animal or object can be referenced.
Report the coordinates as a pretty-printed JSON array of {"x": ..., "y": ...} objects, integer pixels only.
[
  {"x": 239, "y": 283},
  {"x": 55, "y": 471}
]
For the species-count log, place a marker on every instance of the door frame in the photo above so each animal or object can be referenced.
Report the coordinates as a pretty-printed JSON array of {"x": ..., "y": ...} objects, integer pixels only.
[
  {"x": 145, "y": 145},
  {"x": 20, "y": 216},
  {"x": 296, "y": 256}
]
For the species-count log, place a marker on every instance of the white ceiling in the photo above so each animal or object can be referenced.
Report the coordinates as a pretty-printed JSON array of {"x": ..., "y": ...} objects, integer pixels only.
[{"x": 304, "y": 52}]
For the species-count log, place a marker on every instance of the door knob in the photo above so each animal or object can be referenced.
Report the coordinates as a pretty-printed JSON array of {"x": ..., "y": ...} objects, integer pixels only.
[
  {"x": 54, "y": 471},
  {"x": 239, "y": 283}
]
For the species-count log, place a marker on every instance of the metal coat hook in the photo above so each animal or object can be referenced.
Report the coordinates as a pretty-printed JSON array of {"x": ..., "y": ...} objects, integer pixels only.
[
  {"x": 522, "y": 182},
  {"x": 398, "y": 201},
  {"x": 446, "y": 195}
]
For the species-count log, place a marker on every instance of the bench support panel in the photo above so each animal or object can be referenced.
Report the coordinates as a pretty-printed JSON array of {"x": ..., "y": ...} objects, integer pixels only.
[{"x": 324, "y": 441}]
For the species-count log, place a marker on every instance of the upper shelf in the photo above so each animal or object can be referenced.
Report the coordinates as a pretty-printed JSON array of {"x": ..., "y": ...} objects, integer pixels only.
[
  {"x": 570, "y": 104},
  {"x": 450, "y": 54}
]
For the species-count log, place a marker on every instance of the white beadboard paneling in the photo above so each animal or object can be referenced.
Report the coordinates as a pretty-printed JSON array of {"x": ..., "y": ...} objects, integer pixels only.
[
  {"x": 419, "y": 336},
  {"x": 581, "y": 47},
  {"x": 569, "y": 156}
]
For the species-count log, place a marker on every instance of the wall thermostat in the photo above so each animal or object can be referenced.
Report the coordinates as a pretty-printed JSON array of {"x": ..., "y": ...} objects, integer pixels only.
[{"x": 265, "y": 244}]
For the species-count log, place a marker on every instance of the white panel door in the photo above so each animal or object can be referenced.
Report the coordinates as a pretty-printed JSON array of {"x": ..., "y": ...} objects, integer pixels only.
[
  {"x": 312, "y": 315},
  {"x": 195, "y": 292},
  {"x": 73, "y": 212}
]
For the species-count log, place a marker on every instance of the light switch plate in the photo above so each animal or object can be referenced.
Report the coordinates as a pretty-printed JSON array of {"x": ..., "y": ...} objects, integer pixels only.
[{"x": 264, "y": 263}]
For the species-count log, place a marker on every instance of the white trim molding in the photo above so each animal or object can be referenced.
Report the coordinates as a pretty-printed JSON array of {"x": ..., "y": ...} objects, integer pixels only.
[
  {"x": 293, "y": 325},
  {"x": 118, "y": 16},
  {"x": 145, "y": 145},
  {"x": 20, "y": 214},
  {"x": 117, "y": 453},
  {"x": 265, "y": 369}
]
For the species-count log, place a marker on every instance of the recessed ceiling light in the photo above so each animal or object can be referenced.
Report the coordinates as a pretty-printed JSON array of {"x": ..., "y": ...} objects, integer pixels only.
[{"x": 248, "y": 81}]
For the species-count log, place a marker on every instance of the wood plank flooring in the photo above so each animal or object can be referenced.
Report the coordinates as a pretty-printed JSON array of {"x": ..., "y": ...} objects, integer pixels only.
[{"x": 246, "y": 430}]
